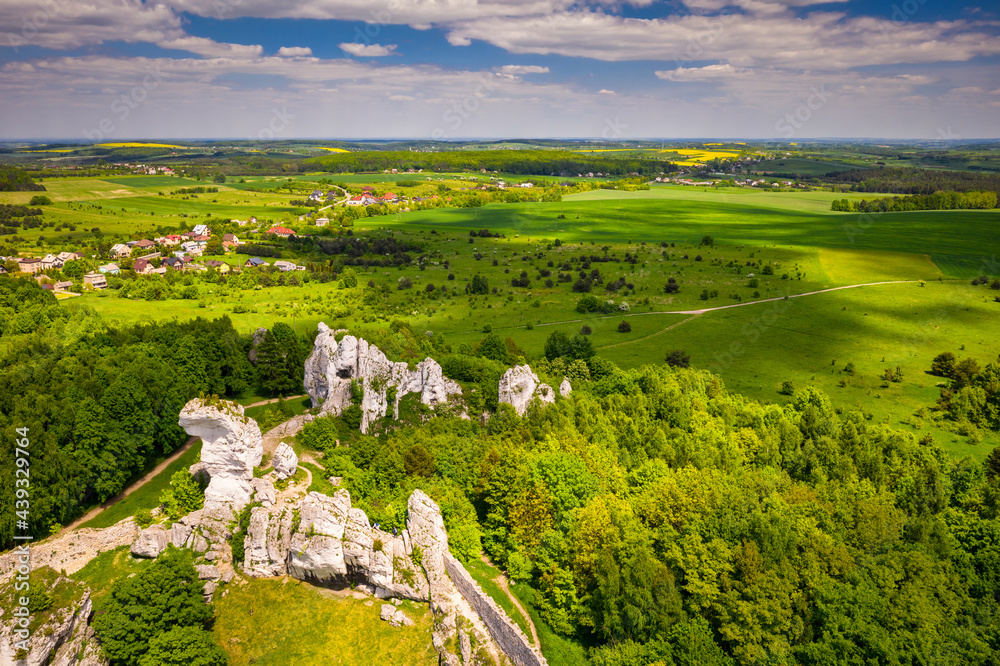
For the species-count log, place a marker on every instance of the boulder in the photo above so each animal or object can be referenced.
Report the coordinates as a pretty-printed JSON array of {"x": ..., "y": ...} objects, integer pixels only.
[
  {"x": 565, "y": 388},
  {"x": 400, "y": 619},
  {"x": 519, "y": 386},
  {"x": 151, "y": 541},
  {"x": 208, "y": 572},
  {"x": 333, "y": 366},
  {"x": 388, "y": 610},
  {"x": 284, "y": 462}
]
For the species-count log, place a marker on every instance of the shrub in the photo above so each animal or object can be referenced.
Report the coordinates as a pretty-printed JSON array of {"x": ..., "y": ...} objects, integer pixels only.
[
  {"x": 678, "y": 359},
  {"x": 624, "y": 327},
  {"x": 787, "y": 388},
  {"x": 404, "y": 283},
  {"x": 585, "y": 330}
]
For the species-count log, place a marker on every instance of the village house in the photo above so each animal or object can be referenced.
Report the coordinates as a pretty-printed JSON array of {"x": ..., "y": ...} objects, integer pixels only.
[
  {"x": 202, "y": 230},
  {"x": 172, "y": 239},
  {"x": 193, "y": 248},
  {"x": 119, "y": 250},
  {"x": 63, "y": 286},
  {"x": 63, "y": 257},
  {"x": 95, "y": 280},
  {"x": 389, "y": 197},
  {"x": 29, "y": 264},
  {"x": 220, "y": 266},
  {"x": 50, "y": 261},
  {"x": 142, "y": 245},
  {"x": 316, "y": 196},
  {"x": 255, "y": 262},
  {"x": 142, "y": 266},
  {"x": 231, "y": 238},
  {"x": 172, "y": 262},
  {"x": 281, "y": 232},
  {"x": 361, "y": 200},
  {"x": 286, "y": 266},
  {"x": 322, "y": 221},
  {"x": 112, "y": 268}
]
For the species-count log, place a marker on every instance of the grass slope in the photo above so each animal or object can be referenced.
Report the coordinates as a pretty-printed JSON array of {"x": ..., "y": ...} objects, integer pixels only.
[{"x": 279, "y": 622}]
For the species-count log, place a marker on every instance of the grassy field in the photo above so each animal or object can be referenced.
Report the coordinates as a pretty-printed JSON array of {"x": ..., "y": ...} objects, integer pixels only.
[
  {"x": 296, "y": 623},
  {"x": 148, "y": 496},
  {"x": 809, "y": 247},
  {"x": 102, "y": 571}
]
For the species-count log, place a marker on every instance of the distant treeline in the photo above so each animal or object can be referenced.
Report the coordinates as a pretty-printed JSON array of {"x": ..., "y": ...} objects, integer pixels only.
[
  {"x": 13, "y": 179},
  {"x": 523, "y": 162},
  {"x": 900, "y": 180},
  {"x": 936, "y": 201},
  {"x": 362, "y": 251},
  {"x": 258, "y": 250}
]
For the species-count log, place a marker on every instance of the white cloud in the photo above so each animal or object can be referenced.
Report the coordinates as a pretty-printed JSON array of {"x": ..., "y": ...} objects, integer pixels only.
[
  {"x": 67, "y": 24},
  {"x": 369, "y": 50},
  {"x": 518, "y": 70},
  {"x": 211, "y": 49},
  {"x": 605, "y": 91},
  {"x": 821, "y": 40},
  {"x": 295, "y": 51},
  {"x": 708, "y": 72}
]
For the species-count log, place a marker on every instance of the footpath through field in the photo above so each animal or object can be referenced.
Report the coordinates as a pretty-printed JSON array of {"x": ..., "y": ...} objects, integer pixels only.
[{"x": 706, "y": 310}]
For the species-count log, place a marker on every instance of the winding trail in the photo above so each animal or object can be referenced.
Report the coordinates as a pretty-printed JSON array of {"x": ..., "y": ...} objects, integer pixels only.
[
  {"x": 502, "y": 581},
  {"x": 149, "y": 476}
]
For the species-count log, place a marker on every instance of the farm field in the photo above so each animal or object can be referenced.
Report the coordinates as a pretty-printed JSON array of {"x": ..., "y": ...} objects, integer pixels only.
[{"x": 809, "y": 248}]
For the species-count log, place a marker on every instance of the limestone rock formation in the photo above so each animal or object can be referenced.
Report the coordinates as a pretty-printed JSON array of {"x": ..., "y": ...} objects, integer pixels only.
[
  {"x": 284, "y": 461},
  {"x": 333, "y": 544},
  {"x": 258, "y": 337},
  {"x": 519, "y": 386},
  {"x": 151, "y": 541},
  {"x": 231, "y": 448},
  {"x": 57, "y": 640},
  {"x": 565, "y": 388},
  {"x": 332, "y": 366}
]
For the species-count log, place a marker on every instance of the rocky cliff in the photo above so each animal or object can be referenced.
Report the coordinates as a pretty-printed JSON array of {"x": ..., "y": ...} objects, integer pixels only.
[
  {"x": 519, "y": 386},
  {"x": 332, "y": 366}
]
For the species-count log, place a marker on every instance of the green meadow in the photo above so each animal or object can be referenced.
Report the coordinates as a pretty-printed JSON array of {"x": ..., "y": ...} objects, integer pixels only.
[{"x": 754, "y": 347}]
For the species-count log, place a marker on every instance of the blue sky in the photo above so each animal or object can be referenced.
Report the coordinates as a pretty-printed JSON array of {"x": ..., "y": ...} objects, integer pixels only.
[{"x": 453, "y": 69}]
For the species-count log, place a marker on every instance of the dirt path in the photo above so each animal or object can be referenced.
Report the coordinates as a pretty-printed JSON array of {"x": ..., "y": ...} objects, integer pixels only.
[
  {"x": 149, "y": 476},
  {"x": 268, "y": 402},
  {"x": 705, "y": 310},
  {"x": 501, "y": 580}
]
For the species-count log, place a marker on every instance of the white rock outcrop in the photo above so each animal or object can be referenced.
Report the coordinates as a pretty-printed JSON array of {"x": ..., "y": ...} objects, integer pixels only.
[
  {"x": 231, "y": 448},
  {"x": 332, "y": 366},
  {"x": 333, "y": 544},
  {"x": 284, "y": 462},
  {"x": 519, "y": 386},
  {"x": 565, "y": 388},
  {"x": 151, "y": 541}
]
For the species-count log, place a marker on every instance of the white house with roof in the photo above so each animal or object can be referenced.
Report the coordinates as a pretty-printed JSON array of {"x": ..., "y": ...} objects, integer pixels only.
[
  {"x": 119, "y": 250},
  {"x": 202, "y": 230}
]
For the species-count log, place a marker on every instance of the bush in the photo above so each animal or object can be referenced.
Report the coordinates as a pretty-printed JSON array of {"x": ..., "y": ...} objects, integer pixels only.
[
  {"x": 585, "y": 330},
  {"x": 678, "y": 359},
  {"x": 40, "y": 200},
  {"x": 183, "y": 496},
  {"x": 624, "y": 327},
  {"x": 404, "y": 283},
  {"x": 787, "y": 388}
]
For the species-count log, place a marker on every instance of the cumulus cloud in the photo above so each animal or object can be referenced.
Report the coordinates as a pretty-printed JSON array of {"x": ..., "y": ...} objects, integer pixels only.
[
  {"x": 65, "y": 24},
  {"x": 703, "y": 73},
  {"x": 295, "y": 51},
  {"x": 369, "y": 50}
]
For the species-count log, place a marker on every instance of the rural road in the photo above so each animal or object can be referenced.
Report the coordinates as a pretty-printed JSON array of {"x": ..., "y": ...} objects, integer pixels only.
[{"x": 149, "y": 476}]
